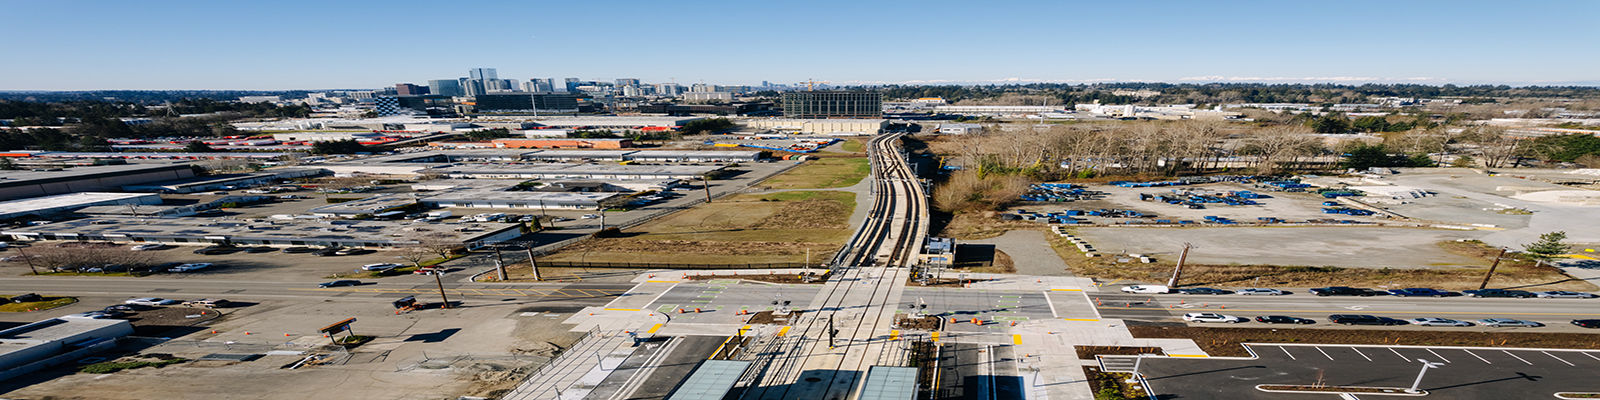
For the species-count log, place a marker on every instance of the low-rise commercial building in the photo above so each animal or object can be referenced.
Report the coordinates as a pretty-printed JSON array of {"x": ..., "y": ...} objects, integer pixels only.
[
  {"x": 821, "y": 126},
  {"x": 366, "y": 207},
  {"x": 577, "y": 171},
  {"x": 109, "y": 178},
  {"x": 39, "y": 345},
  {"x": 562, "y": 143},
  {"x": 225, "y": 182},
  {"x": 270, "y": 232},
  {"x": 325, "y": 136},
  {"x": 960, "y": 129},
  {"x": 491, "y": 198},
  {"x": 694, "y": 156},
  {"x": 580, "y": 155},
  {"x": 62, "y": 203}
]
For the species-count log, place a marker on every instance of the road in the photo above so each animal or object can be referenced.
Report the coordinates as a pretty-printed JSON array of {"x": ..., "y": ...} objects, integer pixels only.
[
  {"x": 1556, "y": 313},
  {"x": 384, "y": 290}
]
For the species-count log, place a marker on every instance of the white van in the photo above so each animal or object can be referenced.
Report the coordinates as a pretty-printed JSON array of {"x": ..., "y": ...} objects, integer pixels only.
[{"x": 1147, "y": 289}]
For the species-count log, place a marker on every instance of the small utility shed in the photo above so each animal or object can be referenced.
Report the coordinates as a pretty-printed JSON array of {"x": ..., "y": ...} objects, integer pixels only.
[{"x": 712, "y": 380}]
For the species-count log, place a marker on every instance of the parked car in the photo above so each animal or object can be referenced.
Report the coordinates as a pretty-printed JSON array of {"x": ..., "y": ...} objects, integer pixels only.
[
  {"x": 146, "y": 247},
  {"x": 328, "y": 252},
  {"x": 1508, "y": 322},
  {"x": 298, "y": 249},
  {"x": 120, "y": 309},
  {"x": 427, "y": 270},
  {"x": 1204, "y": 290},
  {"x": 1417, "y": 292},
  {"x": 150, "y": 301},
  {"x": 1345, "y": 291},
  {"x": 190, "y": 267},
  {"x": 1351, "y": 319},
  {"x": 1146, "y": 289},
  {"x": 1262, "y": 291},
  {"x": 1438, "y": 322},
  {"x": 338, "y": 283},
  {"x": 1561, "y": 294},
  {"x": 350, "y": 251},
  {"x": 1212, "y": 317},
  {"x": 214, "y": 250},
  {"x": 207, "y": 303},
  {"x": 1520, "y": 294},
  {"x": 259, "y": 249},
  {"x": 590, "y": 216},
  {"x": 1587, "y": 323},
  {"x": 380, "y": 267},
  {"x": 1283, "y": 319}
]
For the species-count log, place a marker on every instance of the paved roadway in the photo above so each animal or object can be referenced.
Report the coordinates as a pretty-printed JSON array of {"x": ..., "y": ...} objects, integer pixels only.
[
  {"x": 1467, "y": 373},
  {"x": 1555, "y": 313},
  {"x": 384, "y": 290}
]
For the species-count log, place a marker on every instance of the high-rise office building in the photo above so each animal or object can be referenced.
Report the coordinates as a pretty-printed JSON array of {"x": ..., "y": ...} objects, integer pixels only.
[
  {"x": 538, "y": 85},
  {"x": 407, "y": 89},
  {"x": 482, "y": 74},
  {"x": 445, "y": 87},
  {"x": 833, "y": 104},
  {"x": 527, "y": 102},
  {"x": 625, "y": 82},
  {"x": 701, "y": 87},
  {"x": 573, "y": 83},
  {"x": 668, "y": 89}
]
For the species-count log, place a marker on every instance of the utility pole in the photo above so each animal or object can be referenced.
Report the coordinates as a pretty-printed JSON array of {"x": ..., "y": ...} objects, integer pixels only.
[
  {"x": 532, "y": 264},
  {"x": 1492, "y": 267},
  {"x": 831, "y": 332},
  {"x": 499, "y": 264},
  {"x": 440, "y": 281},
  {"x": 1177, "y": 272},
  {"x": 707, "y": 186},
  {"x": 29, "y": 259}
]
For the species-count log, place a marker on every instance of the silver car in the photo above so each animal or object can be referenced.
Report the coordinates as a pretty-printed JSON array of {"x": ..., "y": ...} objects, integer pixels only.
[
  {"x": 1261, "y": 291},
  {"x": 1560, "y": 294},
  {"x": 1438, "y": 322},
  {"x": 1508, "y": 322}
]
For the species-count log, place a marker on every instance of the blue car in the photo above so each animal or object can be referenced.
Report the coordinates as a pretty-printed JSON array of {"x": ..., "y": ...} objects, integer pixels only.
[{"x": 1427, "y": 292}]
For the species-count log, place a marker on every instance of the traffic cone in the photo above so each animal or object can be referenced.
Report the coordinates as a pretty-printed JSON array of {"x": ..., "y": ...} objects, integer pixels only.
[
  {"x": 286, "y": 334},
  {"x": 247, "y": 332}
]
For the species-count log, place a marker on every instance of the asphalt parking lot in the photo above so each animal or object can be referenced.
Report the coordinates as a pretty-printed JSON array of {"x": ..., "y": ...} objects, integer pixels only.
[
  {"x": 1556, "y": 314},
  {"x": 1466, "y": 373}
]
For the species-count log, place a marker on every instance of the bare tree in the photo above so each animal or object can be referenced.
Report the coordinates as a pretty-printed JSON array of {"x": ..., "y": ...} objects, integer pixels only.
[{"x": 416, "y": 254}]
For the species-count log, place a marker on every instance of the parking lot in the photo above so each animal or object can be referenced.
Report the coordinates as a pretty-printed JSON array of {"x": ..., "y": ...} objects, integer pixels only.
[
  {"x": 1556, "y": 314},
  {"x": 1466, "y": 373},
  {"x": 1339, "y": 246}
]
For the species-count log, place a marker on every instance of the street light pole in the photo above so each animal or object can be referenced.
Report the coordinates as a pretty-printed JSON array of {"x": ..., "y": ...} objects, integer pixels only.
[
  {"x": 1425, "y": 367},
  {"x": 440, "y": 281}
]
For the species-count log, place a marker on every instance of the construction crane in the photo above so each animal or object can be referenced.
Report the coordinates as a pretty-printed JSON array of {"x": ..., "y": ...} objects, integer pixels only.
[{"x": 811, "y": 84}]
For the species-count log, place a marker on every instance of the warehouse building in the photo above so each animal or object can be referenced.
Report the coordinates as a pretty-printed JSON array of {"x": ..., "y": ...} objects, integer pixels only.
[
  {"x": 577, "y": 171},
  {"x": 580, "y": 155},
  {"x": 325, "y": 136},
  {"x": 821, "y": 126},
  {"x": 366, "y": 207},
  {"x": 63, "y": 203},
  {"x": 109, "y": 178},
  {"x": 492, "y": 198},
  {"x": 225, "y": 182},
  {"x": 562, "y": 143},
  {"x": 694, "y": 156},
  {"x": 274, "y": 232},
  {"x": 39, "y": 345}
]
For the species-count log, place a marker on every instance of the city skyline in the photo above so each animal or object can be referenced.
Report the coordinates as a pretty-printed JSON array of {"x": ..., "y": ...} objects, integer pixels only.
[{"x": 280, "y": 46}]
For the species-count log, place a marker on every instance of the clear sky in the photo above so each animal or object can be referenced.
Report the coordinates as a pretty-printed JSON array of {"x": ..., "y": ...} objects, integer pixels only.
[{"x": 291, "y": 44}]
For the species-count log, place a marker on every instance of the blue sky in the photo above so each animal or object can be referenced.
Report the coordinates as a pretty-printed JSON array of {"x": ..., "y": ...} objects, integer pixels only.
[{"x": 78, "y": 45}]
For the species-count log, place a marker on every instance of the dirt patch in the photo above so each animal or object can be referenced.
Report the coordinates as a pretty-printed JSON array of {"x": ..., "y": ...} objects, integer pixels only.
[
  {"x": 163, "y": 320},
  {"x": 1088, "y": 352},
  {"x": 929, "y": 323},
  {"x": 771, "y": 318},
  {"x": 983, "y": 225},
  {"x": 1111, "y": 385},
  {"x": 1226, "y": 341}
]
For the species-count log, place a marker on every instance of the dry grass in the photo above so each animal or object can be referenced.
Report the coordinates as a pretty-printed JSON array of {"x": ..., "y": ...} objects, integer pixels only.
[
  {"x": 771, "y": 228},
  {"x": 824, "y": 173},
  {"x": 1511, "y": 274},
  {"x": 967, "y": 191},
  {"x": 983, "y": 225}
]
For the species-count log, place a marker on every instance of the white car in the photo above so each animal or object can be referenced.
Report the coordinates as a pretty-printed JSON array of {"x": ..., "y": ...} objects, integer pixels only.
[
  {"x": 150, "y": 301},
  {"x": 590, "y": 216},
  {"x": 89, "y": 315},
  {"x": 189, "y": 267},
  {"x": 1147, "y": 289},
  {"x": 1558, "y": 294},
  {"x": 379, "y": 267},
  {"x": 1501, "y": 322},
  {"x": 1437, "y": 322},
  {"x": 145, "y": 247},
  {"x": 1261, "y": 291},
  {"x": 1212, "y": 317}
]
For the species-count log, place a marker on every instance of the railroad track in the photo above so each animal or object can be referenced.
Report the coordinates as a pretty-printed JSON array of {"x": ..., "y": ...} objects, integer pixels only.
[{"x": 859, "y": 297}]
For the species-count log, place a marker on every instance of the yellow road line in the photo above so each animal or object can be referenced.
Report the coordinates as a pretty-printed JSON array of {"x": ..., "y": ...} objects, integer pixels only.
[
  {"x": 1016, "y": 339},
  {"x": 783, "y": 331},
  {"x": 719, "y": 348},
  {"x": 653, "y": 329},
  {"x": 1188, "y": 355},
  {"x": 1066, "y": 290}
]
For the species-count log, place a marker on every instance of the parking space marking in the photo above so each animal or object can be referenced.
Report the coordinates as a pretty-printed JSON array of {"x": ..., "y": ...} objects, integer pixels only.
[
  {"x": 1286, "y": 351},
  {"x": 1480, "y": 358},
  {"x": 1515, "y": 356},
  {"x": 1397, "y": 354},
  {"x": 1558, "y": 359},
  {"x": 1324, "y": 353},
  {"x": 1363, "y": 355},
  {"x": 1590, "y": 355},
  {"x": 1436, "y": 354}
]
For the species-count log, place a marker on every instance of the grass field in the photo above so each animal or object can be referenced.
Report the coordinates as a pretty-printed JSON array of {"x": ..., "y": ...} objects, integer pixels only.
[
  {"x": 822, "y": 173},
  {"x": 852, "y": 145},
  {"x": 48, "y": 303},
  {"x": 777, "y": 227}
]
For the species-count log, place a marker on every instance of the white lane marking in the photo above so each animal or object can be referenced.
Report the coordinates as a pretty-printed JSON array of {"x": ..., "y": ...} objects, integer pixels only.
[
  {"x": 1480, "y": 358},
  {"x": 1436, "y": 354},
  {"x": 1397, "y": 354},
  {"x": 1363, "y": 355},
  {"x": 1324, "y": 353},
  {"x": 1515, "y": 356},
  {"x": 1590, "y": 355},
  {"x": 1286, "y": 351},
  {"x": 1558, "y": 358}
]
